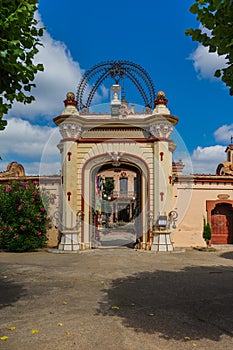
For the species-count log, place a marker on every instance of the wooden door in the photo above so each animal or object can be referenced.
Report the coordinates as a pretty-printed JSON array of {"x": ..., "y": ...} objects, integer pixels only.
[{"x": 222, "y": 224}]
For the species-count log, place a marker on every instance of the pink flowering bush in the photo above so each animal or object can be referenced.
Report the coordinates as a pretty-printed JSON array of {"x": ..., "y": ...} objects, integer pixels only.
[{"x": 23, "y": 215}]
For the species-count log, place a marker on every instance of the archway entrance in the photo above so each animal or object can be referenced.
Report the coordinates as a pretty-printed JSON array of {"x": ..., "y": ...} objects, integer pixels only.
[
  {"x": 137, "y": 141},
  {"x": 117, "y": 204},
  {"x": 222, "y": 224},
  {"x": 116, "y": 200}
]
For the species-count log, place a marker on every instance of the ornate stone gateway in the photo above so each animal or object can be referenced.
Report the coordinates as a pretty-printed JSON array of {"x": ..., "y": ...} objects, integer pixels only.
[{"x": 123, "y": 143}]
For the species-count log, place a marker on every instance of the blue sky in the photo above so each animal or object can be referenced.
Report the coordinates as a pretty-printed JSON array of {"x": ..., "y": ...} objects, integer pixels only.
[{"x": 151, "y": 33}]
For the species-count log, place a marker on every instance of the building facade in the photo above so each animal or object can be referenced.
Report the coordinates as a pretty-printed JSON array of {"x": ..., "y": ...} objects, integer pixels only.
[
  {"x": 136, "y": 145},
  {"x": 118, "y": 175}
]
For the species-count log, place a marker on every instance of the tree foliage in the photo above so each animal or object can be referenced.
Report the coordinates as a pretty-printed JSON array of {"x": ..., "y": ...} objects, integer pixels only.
[
  {"x": 19, "y": 40},
  {"x": 108, "y": 186},
  {"x": 207, "y": 233},
  {"x": 217, "y": 17},
  {"x": 23, "y": 215}
]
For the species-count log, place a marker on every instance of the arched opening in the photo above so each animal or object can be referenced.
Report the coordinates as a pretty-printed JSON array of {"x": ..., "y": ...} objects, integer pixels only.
[
  {"x": 115, "y": 202},
  {"x": 222, "y": 224}
]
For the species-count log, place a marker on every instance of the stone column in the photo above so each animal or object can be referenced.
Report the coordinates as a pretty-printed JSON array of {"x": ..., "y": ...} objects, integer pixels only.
[
  {"x": 162, "y": 168},
  {"x": 70, "y": 220},
  {"x": 69, "y": 239},
  {"x": 161, "y": 130}
]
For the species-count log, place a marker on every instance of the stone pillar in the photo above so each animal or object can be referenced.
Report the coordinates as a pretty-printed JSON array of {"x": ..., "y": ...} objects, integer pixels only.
[
  {"x": 162, "y": 178},
  {"x": 143, "y": 217},
  {"x": 70, "y": 221},
  {"x": 69, "y": 238},
  {"x": 161, "y": 130}
]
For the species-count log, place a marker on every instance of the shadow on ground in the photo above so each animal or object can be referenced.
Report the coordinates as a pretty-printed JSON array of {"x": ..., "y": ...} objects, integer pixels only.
[
  {"x": 117, "y": 243},
  {"x": 10, "y": 292},
  {"x": 196, "y": 302},
  {"x": 227, "y": 255}
]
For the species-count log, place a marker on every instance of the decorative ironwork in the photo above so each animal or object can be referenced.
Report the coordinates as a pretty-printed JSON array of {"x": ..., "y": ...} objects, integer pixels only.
[
  {"x": 172, "y": 218},
  {"x": 116, "y": 70}
]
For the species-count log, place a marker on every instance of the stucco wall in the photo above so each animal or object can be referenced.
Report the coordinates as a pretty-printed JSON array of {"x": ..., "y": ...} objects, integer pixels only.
[
  {"x": 190, "y": 202},
  {"x": 53, "y": 186}
]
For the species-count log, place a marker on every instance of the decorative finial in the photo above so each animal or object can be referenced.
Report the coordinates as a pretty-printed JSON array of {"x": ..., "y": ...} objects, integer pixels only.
[
  {"x": 161, "y": 99},
  {"x": 161, "y": 94},
  {"x": 70, "y": 96},
  {"x": 231, "y": 139},
  {"x": 70, "y": 99}
]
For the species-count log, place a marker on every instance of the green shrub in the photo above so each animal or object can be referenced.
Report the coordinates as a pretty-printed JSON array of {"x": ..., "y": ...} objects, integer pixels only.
[
  {"x": 206, "y": 232},
  {"x": 23, "y": 213}
]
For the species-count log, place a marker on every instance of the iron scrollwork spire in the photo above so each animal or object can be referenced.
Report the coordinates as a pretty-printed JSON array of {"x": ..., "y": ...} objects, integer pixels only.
[{"x": 116, "y": 70}]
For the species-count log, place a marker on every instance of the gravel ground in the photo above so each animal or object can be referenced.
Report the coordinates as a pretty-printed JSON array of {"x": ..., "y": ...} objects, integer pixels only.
[{"x": 116, "y": 299}]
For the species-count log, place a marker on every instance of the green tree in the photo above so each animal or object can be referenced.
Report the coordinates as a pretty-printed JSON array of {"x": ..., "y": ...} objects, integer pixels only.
[
  {"x": 206, "y": 232},
  {"x": 217, "y": 17},
  {"x": 108, "y": 186},
  {"x": 19, "y": 40}
]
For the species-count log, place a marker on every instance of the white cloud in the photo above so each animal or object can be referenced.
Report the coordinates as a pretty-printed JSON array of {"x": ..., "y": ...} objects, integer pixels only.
[
  {"x": 25, "y": 139},
  {"x": 41, "y": 168},
  {"x": 22, "y": 142},
  {"x": 224, "y": 133},
  {"x": 35, "y": 146},
  {"x": 206, "y": 63},
  {"x": 206, "y": 159},
  {"x": 61, "y": 74}
]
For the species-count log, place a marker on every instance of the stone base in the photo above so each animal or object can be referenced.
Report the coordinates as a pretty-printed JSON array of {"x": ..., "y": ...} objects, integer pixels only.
[
  {"x": 69, "y": 242},
  {"x": 162, "y": 242},
  {"x": 57, "y": 251}
]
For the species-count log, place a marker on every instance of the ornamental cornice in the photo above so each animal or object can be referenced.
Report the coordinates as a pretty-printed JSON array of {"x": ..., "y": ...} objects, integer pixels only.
[
  {"x": 90, "y": 122},
  {"x": 161, "y": 129},
  {"x": 114, "y": 132},
  {"x": 70, "y": 130}
]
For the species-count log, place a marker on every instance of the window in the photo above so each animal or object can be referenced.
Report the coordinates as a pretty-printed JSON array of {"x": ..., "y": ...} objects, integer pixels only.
[
  {"x": 123, "y": 185},
  {"x": 135, "y": 184}
]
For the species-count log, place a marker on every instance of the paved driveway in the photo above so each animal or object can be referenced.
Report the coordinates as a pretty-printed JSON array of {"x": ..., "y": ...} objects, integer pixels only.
[{"x": 117, "y": 299}]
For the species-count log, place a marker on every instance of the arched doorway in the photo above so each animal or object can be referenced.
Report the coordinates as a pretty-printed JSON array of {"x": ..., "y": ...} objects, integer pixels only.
[
  {"x": 117, "y": 204},
  {"x": 222, "y": 224},
  {"x": 118, "y": 217}
]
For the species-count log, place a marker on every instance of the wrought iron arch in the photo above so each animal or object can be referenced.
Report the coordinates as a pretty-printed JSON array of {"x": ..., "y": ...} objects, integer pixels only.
[{"x": 116, "y": 70}]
